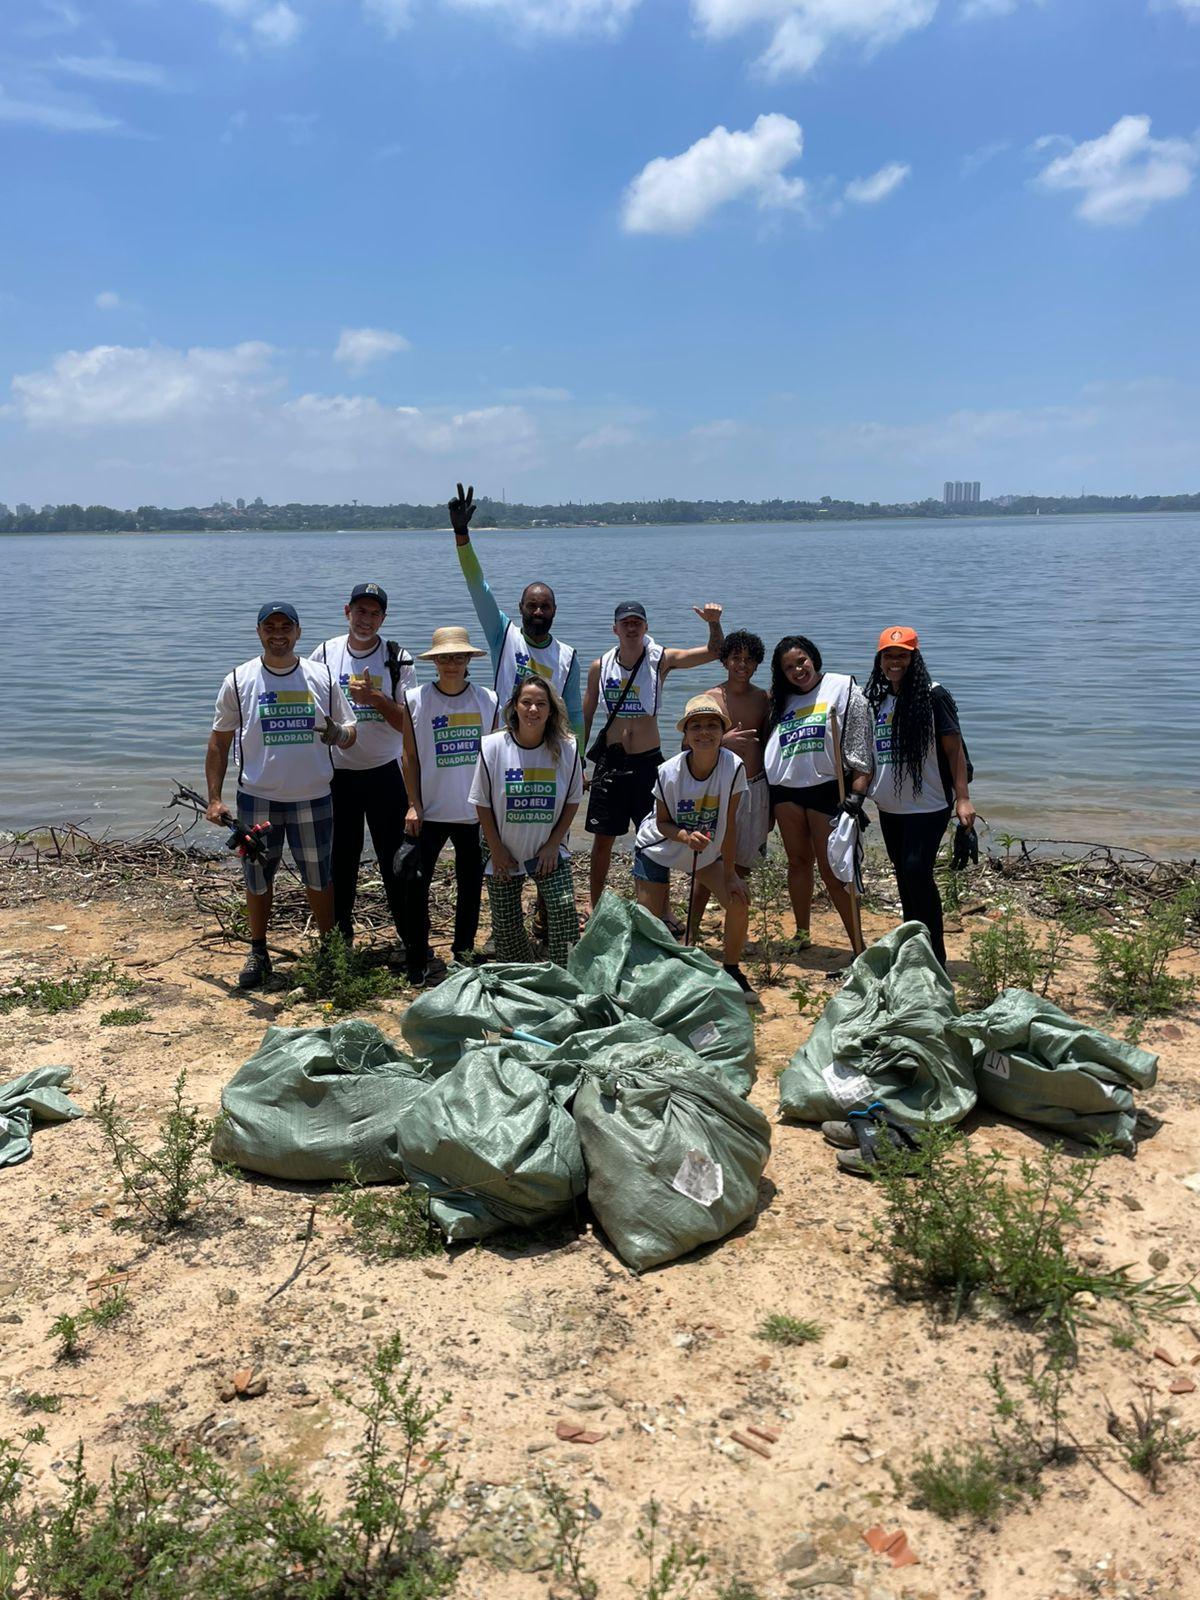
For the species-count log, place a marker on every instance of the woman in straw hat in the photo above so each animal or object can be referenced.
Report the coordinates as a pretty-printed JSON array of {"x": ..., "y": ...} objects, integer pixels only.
[
  {"x": 693, "y": 828},
  {"x": 444, "y": 724},
  {"x": 527, "y": 789}
]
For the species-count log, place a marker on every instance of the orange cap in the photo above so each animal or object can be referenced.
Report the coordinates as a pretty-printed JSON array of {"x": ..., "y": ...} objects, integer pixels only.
[{"x": 899, "y": 639}]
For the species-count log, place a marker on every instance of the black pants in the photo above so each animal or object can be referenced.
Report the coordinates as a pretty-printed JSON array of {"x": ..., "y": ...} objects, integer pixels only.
[
  {"x": 912, "y": 841},
  {"x": 468, "y": 884},
  {"x": 377, "y": 797}
]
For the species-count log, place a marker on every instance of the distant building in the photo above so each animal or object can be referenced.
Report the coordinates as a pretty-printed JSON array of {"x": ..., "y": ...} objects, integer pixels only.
[
  {"x": 241, "y": 504},
  {"x": 948, "y": 493},
  {"x": 958, "y": 493}
]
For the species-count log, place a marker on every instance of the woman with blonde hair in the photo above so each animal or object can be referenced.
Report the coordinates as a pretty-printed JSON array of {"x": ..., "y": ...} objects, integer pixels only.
[{"x": 527, "y": 787}]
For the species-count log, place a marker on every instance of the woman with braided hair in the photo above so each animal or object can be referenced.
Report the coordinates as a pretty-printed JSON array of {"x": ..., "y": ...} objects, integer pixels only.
[{"x": 920, "y": 772}]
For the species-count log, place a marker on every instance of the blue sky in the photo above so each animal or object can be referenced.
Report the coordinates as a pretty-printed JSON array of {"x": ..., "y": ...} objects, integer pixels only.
[{"x": 334, "y": 249}]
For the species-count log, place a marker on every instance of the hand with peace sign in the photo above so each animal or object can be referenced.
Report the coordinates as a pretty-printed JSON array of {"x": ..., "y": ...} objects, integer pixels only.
[{"x": 461, "y": 510}]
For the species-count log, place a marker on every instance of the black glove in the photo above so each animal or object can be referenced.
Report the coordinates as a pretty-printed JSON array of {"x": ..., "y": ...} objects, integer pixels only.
[
  {"x": 966, "y": 849},
  {"x": 852, "y": 806},
  {"x": 462, "y": 509}
]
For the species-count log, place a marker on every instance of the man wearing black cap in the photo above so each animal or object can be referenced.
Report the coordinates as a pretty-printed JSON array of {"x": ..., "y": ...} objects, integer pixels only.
[
  {"x": 628, "y": 681},
  {"x": 285, "y": 714},
  {"x": 368, "y": 786}
]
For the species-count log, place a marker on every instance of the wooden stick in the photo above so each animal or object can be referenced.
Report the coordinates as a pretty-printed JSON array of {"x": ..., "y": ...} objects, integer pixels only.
[{"x": 856, "y": 934}]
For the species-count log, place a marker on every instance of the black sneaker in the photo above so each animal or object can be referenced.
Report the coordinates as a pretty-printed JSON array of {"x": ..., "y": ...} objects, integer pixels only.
[
  {"x": 417, "y": 977},
  {"x": 743, "y": 983},
  {"x": 256, "y": 971}
]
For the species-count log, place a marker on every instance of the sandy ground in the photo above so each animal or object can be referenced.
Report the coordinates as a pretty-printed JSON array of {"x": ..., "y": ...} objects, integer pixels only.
[{"x": 664, "y": 1367}]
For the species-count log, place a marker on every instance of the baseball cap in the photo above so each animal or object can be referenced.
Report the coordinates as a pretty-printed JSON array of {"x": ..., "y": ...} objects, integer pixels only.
[
  {"x": 630, "y": 608},
  {"x": 899, "y": 639},
  {"x": 283, "y": 607},
  {"x": 369, "y": 591},
  {"x": 703, "y": 705}
]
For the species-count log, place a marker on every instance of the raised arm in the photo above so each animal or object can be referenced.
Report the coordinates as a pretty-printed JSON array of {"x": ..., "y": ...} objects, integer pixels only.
[
  {"x": 492, "y": 620},
  {"x": 702, "y": 654}
]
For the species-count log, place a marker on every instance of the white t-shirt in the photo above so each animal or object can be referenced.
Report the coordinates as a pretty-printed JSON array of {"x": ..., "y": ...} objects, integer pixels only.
[
  {"x": 799, "y": 750},
  {"x": 692, "y": 803},
  {"x": 378, "y": 742},
  {"x": 527, "y": 791},
  {"x": 449, "y": 730},
  {"x": 936, "y": 793},
  {"x": 276, "y": 719}
]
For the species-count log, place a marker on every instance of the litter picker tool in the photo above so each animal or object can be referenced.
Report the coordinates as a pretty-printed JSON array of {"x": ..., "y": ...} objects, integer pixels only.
[
  {"x": 856, "y": 936},
  {"x": 687, "y": 932}
]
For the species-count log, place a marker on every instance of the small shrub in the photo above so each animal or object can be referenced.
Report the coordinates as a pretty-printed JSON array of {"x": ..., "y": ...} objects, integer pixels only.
[
  {"x": 768, "y": 903},
  {"x": 671, "y": 1574},
  {"x": 124, "y": 1017},
  {"x": 1131, "y": 963},
  {"x": 31, "y": 1400},
  {"x": 387, "y": 1222},
  {"x": 1149, "y": 1441},
  {"x": 779, "y": 1328},
  {"x": 572, "y": 1520},
  {"x": 333, "y": 972},
  {"x": 808, "y": 999},
  {"x": 1008, "y": 956},
  {"x": 177, "y": 1178},
  {"x": 961, "y": 1481},
  {"x": 109, "y": 1310},
  {"x": 52, "y": 995},
  {"x": 68, "y": 1330}
]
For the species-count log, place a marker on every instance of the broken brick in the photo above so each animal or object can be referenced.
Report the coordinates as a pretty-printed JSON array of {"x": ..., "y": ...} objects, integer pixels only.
[
  {"x": 901, "y": 1554},
  {"x": 1159, "y": 1354},
  {"x": 877, "y": 1540},
  {"x": 748, "y": 1443},
  {"x": 771, "y": 1435},
  {"x": 1182, "y": 1386},
  {"x": 576, "y": 1433}
]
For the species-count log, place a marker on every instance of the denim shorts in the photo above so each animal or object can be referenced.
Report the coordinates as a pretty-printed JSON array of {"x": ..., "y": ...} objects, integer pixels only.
[{"x": 649, "y": 870}]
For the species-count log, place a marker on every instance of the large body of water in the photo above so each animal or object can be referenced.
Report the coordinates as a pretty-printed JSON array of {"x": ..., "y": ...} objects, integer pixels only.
[{"x": 1068, "y": 643}]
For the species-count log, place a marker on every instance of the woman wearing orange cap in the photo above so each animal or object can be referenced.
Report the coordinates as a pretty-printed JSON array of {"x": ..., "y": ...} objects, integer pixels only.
[{"x": 921, "y": 772}]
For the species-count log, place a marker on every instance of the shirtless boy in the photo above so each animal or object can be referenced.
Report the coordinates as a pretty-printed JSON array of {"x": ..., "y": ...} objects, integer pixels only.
[
  {"x": 746, "y": 706},
  {"x": 625, "y": 686}
]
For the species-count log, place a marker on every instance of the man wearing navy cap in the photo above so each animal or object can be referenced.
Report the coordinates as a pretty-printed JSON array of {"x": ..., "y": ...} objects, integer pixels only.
[
  {"x": 283, "y": 716},
  {"x": 368, "y": 786}
]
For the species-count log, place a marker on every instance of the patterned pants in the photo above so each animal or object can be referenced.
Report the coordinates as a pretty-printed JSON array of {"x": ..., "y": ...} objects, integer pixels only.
[{"x": 508, "y": 922}]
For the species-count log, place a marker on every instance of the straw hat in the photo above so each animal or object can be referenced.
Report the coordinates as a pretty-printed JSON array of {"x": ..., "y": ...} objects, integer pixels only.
[
  {"x": 450, "y": 642},
  {"x": 703, "y": 705}
]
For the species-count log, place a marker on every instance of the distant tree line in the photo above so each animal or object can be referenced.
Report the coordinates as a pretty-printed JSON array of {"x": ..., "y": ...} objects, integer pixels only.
[{"x": 496, "y": 513}]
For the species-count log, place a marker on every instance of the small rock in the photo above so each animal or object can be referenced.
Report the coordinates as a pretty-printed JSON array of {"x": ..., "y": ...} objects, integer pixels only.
[
  {"x": 844, "y": 1227},
  {"x": 799, "y": 1558},
  {"x": 1132, "y": 1203},
  {"x": 256, "y": 1386},
  {"x": 1159, "y": 1260},
  {"x": 1192, "y": 1182},
  {"x": 838, "y": 1362},
  {"x": 369, "y": 1311},
  {"x": 828, "y": 1572},
  {"x": 227, "y": 1297},
  {"x": 11, "y": 1317}
]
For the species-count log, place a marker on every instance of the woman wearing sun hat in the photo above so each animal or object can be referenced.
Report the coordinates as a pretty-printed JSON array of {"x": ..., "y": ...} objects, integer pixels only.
[
  {"x": 692, "y": 827},
  {"x": 921, "y": 772},
  {"x": 444, "y": 724}
]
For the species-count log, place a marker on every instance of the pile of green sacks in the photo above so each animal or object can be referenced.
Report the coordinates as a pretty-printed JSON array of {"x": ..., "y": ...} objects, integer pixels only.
[
  {"x": 34, "y": 1097},
  {"x": 629, "y": 1086},
  {"x": 893, "y": 1032}
]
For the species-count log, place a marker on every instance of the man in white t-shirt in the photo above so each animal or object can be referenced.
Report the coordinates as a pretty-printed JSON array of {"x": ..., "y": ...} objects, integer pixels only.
[
  {"x": 282, "y": 715},
  {"x": 368, "y": 785}
]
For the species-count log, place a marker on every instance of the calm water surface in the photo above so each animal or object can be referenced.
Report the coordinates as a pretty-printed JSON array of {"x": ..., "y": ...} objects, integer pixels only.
[{"x": 1067, "y": 643}]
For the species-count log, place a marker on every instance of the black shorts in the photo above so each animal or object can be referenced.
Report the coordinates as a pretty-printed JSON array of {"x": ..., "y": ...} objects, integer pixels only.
[
  {"x": 822, "y": 797},
  {"x": 622, "y": 791}
]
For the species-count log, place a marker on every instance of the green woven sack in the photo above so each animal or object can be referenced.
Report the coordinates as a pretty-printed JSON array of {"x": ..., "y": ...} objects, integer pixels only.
[
  {"x": 1035, "y": 1062},
  {"x": 315, "y": 1103},
  {"x": 885, "y": 1035},
  {"x": 673, "y": 1155},
  {"x": 627, "y": 953},
  {"x": 25, "y": 1101}
]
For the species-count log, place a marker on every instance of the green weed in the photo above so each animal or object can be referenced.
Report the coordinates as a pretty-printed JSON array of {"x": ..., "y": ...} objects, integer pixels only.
[
  {"x": 68, "y": 1330},
  {"x": 124, "y": 1017},
  {"x": 768, "y": 903},
  {"x": 52, "y": 995},
  {"x": 333, "y": 972},
  {"x": 962, "y": 1481},
  {"x": 168, "y": 1183},
  {"x": 779, "y": 1328},
  {"x": 1008, "y": 956},
  {"x": 31, "y": 1400},
  {"x": 109, "y": 1310},
  {"x": 387, "y": 1222},
  {"x": 1150, "y": 1441},
  {"x": 671, "y": 1573},
  {"x": 1131, "y": 962}
]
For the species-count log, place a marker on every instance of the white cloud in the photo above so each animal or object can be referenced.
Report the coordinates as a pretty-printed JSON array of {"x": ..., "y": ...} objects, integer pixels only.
[
  {"x": 804, "y": 29},
  {"x": 556, "y": 16},
  {"x": 609, "y": 437},
  {"x": 277, "y": 26},
  {"x": 393, "y": 16},
  {"x": 1123, "y": 173},
  {"x": 108, "y": 300},
  {"x": 870, "y": 191},
  {"x": 974, "y": 159},
  {"x": 56, "y": 116},
  {"x": 359, "y": 347},
  {"x": 715, "y": 432},
  {"x": 114, "y": 384},
  {"x": 1190, "y": 8},
  {"x": 114, "y": 69},
  {"x": 674, "y": 194},
  {"x": 537, "y": 394}
]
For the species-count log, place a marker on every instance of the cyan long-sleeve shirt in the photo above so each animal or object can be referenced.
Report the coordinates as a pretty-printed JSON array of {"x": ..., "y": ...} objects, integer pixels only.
[{"x": 495, "y": 623}]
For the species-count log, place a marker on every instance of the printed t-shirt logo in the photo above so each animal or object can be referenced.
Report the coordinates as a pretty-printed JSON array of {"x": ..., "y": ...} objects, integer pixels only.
[
  {"x": 529, "y": 794},
  {"x": 802, "y": 732},
  {"x": 456, "y": 738},
  {"x": 699, "y": 814},
  {"x": 529, "y": 667},
  {"x": 883, "y": 736},
  {"x": 632, "y": 706},
  {"x": 287, "y": 716},
  {"x": 362, "y": 713}
]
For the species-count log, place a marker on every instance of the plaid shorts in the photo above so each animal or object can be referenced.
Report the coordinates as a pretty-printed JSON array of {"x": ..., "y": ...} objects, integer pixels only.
[{"x": 306, "y": 825}]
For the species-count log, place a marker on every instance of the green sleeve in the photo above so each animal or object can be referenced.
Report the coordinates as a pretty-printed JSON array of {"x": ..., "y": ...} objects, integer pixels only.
[{"x": 491, "y": 619}]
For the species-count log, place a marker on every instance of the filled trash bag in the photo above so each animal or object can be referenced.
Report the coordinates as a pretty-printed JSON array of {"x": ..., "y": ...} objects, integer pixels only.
[
  {"x": 885, "y": 1035},
  {"x": 541, "y": 997},
  {"x": 317, "y": 1103},
  {"x": 627, "y": 953},
  {"x": 673, "y": 1155},
  {"x": 1035, "y": 1062},
  {"x": 34, "y": 1097},
  {"x": 492, "y": 1144}
]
